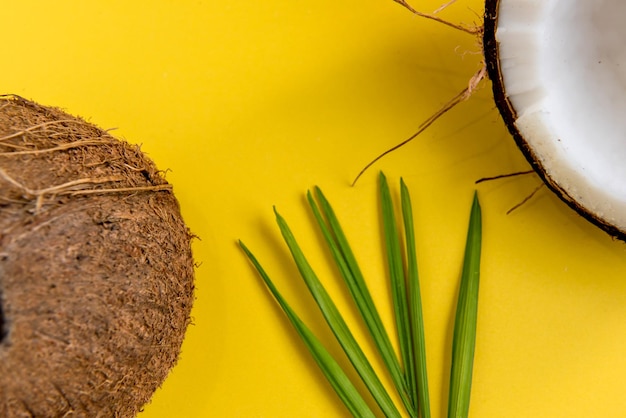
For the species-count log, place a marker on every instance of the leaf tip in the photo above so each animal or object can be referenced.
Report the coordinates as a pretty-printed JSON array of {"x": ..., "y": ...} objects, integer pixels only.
[{"x": 476, "y": 202}]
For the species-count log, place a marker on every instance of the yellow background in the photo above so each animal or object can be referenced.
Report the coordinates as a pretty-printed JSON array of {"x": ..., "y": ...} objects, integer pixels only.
[{"x": 249, "y": 104}]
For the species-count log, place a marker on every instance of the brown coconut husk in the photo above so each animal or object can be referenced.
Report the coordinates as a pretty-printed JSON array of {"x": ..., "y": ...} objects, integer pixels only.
[{"x": 96, "y": 271}]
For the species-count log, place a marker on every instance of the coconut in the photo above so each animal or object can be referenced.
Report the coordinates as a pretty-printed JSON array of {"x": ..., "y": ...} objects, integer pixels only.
[
  {"x": 559, "y": 74},
  {"x": 96, "y": 271},
  {"x": 558, "y": 71}
]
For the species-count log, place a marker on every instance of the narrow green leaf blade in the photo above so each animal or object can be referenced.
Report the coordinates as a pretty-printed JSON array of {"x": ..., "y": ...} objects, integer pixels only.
[
  {"x": 464, "y": 340},
  {"x": 398, "y": 285},
  {"x": 337, "y": 324},
  {"x": 415, "y": 304},
  {"x": 333, "y": 372},
  {"x": 351, "y": 273}
]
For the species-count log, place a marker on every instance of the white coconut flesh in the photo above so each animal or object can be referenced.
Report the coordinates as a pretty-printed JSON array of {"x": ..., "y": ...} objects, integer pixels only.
[{"x": 562, "y": 65}]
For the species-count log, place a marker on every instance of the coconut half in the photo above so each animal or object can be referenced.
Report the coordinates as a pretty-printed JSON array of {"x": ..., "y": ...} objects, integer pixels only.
[{"x": 558, "y": 69}]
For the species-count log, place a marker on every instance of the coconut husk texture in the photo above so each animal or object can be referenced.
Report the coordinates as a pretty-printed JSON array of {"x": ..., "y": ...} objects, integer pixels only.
[{"x": 96, "y": 270}]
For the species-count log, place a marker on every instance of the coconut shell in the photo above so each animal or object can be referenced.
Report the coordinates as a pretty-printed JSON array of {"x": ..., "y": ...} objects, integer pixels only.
[
  {"x": 510, "y": 116},
  {"x": 96, "y": 270}
]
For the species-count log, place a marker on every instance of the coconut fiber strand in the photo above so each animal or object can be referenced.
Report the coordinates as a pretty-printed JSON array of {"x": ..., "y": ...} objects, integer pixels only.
[{"x": 96, "y": 271}]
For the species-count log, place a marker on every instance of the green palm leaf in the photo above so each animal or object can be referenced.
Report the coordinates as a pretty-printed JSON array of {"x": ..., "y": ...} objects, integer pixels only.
[
  {"x": 333, "y": 372},
  {"x": 416, "y": 317},
  {"x": 337, "y": 324},
  {"x": 351, "y": 273},
  {"x": 464, "y": 339},
  {"x": 395, "y": 262},
  {"x": 408, "y": 373}
]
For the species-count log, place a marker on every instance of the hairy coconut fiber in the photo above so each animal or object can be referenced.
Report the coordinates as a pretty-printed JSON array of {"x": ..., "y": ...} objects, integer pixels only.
[{"x": 96, "y": 272}]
